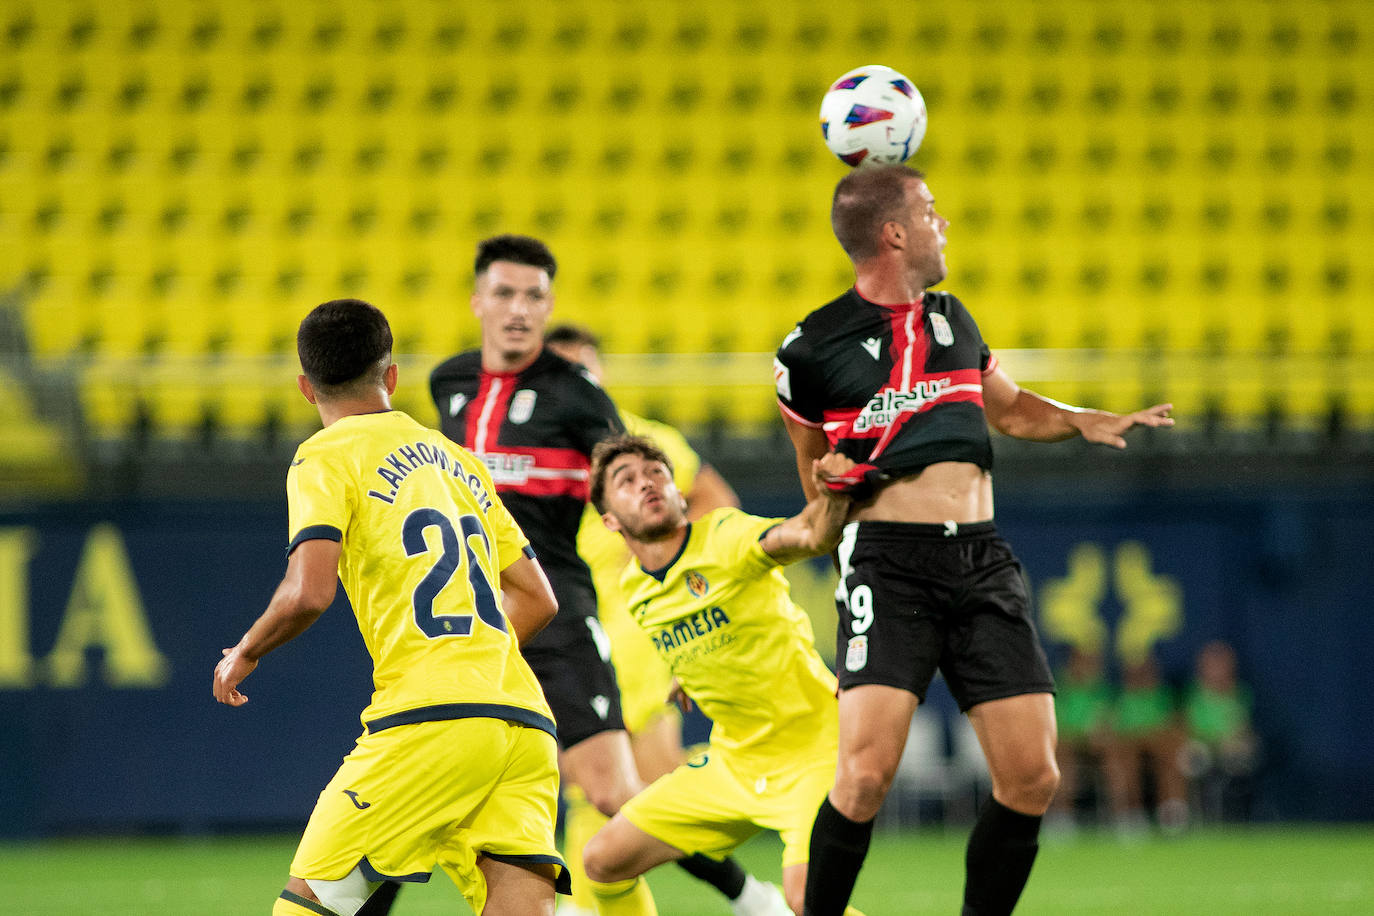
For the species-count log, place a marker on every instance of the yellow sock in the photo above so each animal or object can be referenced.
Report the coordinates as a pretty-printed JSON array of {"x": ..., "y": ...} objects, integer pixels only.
[
  {"x": 290, "y": 907},
  {"x": 850, "y": 911},
  {"x": 624, "y": 898},
  {"x": 580, "y": 822}
]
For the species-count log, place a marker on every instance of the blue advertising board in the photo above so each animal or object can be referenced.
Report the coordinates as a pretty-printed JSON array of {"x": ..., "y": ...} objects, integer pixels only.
[{"x": 112, "y": 617}]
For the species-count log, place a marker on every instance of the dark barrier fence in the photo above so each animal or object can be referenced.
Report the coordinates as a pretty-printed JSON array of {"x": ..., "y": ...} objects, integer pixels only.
[{"x": 112, "y": 617}]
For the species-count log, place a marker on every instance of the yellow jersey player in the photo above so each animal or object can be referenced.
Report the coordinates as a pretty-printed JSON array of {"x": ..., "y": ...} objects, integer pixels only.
[
  {"x": 457, "y": 765},
  {"x": 712, "y": 598},
  {"x": 653, "y": 722}
]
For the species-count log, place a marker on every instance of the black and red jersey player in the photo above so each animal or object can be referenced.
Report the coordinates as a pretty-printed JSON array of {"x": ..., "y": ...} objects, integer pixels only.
[
  {"x": 898, "y": 379},
  {"x": 534, "y": 418},
  {"x": 535, "y": 430}
]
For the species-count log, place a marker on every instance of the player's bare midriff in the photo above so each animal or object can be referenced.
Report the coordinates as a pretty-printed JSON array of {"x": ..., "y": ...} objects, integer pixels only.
[{"x": 948, "y": 491}]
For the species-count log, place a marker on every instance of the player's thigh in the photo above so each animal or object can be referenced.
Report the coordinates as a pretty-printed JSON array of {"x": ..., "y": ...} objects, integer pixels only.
[
  {"x": 620, "y": 851},
  {"x": 603, "y": 766},
  {"x": 517, "y": 890},
  {"x": 1018, "y": 738},
  {"x": 874, "y": 722},
  {"x": 700, "y": 807}
]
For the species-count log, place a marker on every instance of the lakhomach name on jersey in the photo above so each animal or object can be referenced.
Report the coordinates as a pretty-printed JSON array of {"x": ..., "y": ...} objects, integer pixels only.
[{"x": 401, "y": 462}]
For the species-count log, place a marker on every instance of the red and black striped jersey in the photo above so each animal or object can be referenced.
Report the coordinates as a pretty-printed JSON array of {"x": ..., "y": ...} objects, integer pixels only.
[
  {"x": 897, "y": 387},
  {"x": 535, "y": 431}
]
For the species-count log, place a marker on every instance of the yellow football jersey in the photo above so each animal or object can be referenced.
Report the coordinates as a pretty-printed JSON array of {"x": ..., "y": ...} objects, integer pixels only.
[
  {"x": 424, "y": 539},
  {"x": 642, "y": 676},
  {"x": 721, "y": 616}
]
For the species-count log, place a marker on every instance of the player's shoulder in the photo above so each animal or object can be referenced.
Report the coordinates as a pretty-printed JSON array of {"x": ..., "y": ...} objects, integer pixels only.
[
  {"x": 563, "y": 372},
  {"x": 467, "y": 364},
  {"x": 942, "y": 301},
  {"x": 825, "y": 323}
]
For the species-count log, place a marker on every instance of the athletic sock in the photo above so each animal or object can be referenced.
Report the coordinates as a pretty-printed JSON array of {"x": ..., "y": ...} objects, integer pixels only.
[
  {"x": 838, "y": 848},
  {"x": 725, "y": 875},
  {"x": 624, "y": 898},
  {"x": 581, "y": 821},
  {"x": 1001, "y": 851}
]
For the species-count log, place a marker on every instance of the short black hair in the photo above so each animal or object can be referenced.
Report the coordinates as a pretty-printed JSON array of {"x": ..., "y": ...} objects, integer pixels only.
[
  {"x": 518, "y": 249},
  {"x": 344, "y": 344},
  {"x": 864, "y": 200},
  {"x": 573, "y": 335},
  {"x": 608, "y": 450}
]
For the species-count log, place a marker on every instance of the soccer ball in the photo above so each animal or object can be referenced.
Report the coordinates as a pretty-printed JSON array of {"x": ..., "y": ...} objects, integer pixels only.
[{"x": 873, "y": 115}]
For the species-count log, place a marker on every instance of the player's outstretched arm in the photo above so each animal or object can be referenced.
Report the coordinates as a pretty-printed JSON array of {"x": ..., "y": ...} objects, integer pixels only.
[
  {"x": 1019, "y": 412},
  {"x": 312, "y": 575},
  {"x": 810, "y": 445},
  {"x": 527, "y": 598},
  {"x": 816, "y": 529}
]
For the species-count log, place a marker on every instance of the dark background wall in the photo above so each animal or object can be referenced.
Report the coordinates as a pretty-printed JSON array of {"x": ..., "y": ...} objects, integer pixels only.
[{"x": 154, "y": 589}]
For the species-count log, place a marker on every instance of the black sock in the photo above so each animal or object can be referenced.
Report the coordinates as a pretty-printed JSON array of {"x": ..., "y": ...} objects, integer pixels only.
[
  {"x": 838, "y": 848},
  {"x": 379, "y": 904},
  {"x": 725, "y": 876},
  {"x": 1000, "y": 853}
]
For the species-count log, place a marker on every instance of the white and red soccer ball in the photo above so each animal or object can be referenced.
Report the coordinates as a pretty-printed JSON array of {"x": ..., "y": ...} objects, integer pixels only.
[{"x": 873, "y": 116}]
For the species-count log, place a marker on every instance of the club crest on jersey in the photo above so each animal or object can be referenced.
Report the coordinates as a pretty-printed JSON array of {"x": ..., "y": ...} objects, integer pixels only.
[
  {"x": 521, "y": 406},
  {"x": 696, "y": 583},
  {"x": 856, "y": 656},
  {"x": 939, "y": 326}
]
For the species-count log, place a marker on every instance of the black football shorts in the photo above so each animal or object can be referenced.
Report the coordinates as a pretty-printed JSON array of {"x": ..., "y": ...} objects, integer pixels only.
[
  {"x": 578, "y": 681},
  {"x": 915, "y": 598}
]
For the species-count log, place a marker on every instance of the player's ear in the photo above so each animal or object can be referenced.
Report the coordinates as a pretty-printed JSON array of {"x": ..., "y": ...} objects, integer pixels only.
[
  {"x": 610, "y": 521},
  {"x": 306, "y": 388},
  {"x": 894, "y": 234},
  {"x": 389, "y": 378}
]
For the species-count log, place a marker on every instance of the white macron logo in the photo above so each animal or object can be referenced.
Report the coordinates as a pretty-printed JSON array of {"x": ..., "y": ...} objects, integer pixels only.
[
  {"x": 455, "y": 404},
  {"x": 873, "y": 345},
  {"x": 602, "y": 705}
]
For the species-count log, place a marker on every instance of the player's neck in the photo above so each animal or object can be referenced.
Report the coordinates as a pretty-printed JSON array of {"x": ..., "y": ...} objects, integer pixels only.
[
  {"x": 502, "y": 363},
  {"x": 888, "y": 288},
  {"x": 332, "y": 412},
  {"x": 654, "y": 556}
]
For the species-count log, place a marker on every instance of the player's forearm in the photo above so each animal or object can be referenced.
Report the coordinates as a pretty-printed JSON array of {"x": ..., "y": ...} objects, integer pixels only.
[
  {"x": 1040, "y": 419},
  {"x": 289, "y": 614},
  {"x": 816, "y": 530}
]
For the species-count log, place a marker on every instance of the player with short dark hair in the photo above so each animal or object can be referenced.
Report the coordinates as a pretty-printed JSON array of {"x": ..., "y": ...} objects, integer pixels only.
[
  {"x": 457, "y": 766},
  {"x": 654, "y": 725},
  {"x": 712, "y": 598},
  {"x": 899, "y": 379},
  {"x": 534, "y": 418}
]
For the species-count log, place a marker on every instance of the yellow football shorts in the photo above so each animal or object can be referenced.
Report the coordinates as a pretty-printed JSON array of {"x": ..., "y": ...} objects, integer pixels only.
[
  {"x": 413, "y": 796},
  {"x": 706, "y": 806}
]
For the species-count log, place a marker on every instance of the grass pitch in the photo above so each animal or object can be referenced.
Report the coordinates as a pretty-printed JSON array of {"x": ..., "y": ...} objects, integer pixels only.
[{"x": 1264, "y": 870}]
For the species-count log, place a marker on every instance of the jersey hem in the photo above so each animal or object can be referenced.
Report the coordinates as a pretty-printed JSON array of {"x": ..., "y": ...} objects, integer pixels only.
[{"x": 445, "y": 711}]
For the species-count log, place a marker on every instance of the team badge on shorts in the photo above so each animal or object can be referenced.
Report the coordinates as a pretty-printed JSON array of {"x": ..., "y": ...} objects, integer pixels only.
[
  {"x": 696, "y": 583},
  {"x": 939, "y": 326},
  {"x": 856, "y": 656}
]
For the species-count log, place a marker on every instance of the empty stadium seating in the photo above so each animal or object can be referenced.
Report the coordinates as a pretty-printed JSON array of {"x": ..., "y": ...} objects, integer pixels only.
[{"x": 180, "y": 182}]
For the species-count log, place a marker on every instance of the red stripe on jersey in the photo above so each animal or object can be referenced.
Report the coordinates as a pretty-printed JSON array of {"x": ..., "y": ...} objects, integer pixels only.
[{"x": 488, "y": 410}]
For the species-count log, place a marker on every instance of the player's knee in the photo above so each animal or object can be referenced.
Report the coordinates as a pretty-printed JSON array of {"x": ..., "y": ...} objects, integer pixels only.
[
  {"x": 1032, "y": 789},
  {"x": 861, "y": 784},
  {"x": 601, "y": 863}
]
